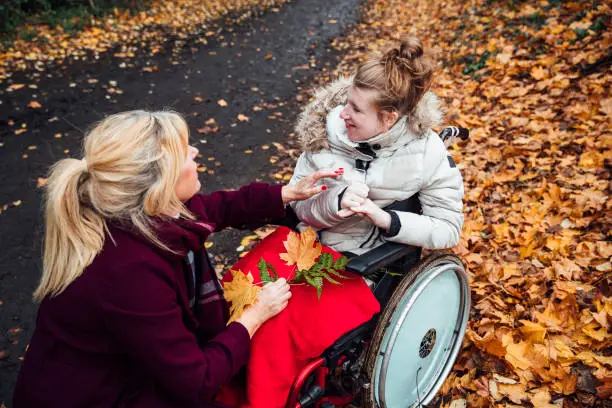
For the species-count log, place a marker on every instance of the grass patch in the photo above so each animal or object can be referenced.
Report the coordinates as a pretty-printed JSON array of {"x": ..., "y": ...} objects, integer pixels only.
[
  {"x": 27, "y": 34},
  {"x": 473, "y": 63},
  {"x": 72, "y": 17},
  {"x": 537, "y": 20},
  {"x": 600, "y": 23}
]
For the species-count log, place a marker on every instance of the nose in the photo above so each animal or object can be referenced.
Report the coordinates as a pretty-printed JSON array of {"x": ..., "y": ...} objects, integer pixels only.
[
  {"x": 193, "y": 151},
  {"x": 344, "y": 114}
]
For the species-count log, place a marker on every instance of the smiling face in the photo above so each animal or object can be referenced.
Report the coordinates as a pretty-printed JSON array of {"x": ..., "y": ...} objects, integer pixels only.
[
  {"x": 188, "y": 183},
  {"x": 361, "y": 117}
]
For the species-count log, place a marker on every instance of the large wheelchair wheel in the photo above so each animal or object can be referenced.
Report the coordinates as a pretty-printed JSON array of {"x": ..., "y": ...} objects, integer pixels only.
[{"x": 418, "y": 335}]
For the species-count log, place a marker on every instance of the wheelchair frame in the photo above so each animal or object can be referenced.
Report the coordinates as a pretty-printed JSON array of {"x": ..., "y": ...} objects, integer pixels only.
[{"x": 310, "y": 386}]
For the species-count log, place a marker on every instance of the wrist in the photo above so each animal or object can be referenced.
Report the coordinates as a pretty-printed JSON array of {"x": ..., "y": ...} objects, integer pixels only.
[
  {"x": 385, "y": 220},
  {"x": 394, "y": 227},
  {"x": 250, "y": 320},
  {"x": 288, "y": 193}
]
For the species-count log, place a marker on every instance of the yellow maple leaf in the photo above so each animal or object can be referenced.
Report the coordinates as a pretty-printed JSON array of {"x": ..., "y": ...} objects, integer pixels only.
[
  {"x": 515, "y": 355},
  {"x": 302, "y": 249},
  {"x": 539, "y": 73},
  {"x": 240, "y": 293},
  {"x": 541, "y": 399},
  {"x": 515, "y": 392},
  {"x": 533, "y": 331}
]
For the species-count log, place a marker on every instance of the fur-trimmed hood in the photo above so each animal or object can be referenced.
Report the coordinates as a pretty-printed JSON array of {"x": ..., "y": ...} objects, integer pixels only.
[{"x": 311, "y": 125}]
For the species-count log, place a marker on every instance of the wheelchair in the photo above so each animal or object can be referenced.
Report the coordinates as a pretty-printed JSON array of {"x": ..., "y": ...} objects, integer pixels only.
[{"x": 402, "y": 356}]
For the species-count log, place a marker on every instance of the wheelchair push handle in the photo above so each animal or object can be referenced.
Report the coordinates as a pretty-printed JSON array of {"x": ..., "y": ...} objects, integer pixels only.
[{"x": 450, "y": 133}]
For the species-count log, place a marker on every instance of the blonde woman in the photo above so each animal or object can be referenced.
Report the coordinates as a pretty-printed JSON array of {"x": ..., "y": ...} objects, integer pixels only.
[
  {"x": 131, "y": 313},
  {"x": 377, "y": 127}
]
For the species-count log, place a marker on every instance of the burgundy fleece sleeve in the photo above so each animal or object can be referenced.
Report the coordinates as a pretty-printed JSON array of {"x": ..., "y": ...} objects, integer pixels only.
[
  {"x": 139, "y": 304},
  {"x": 254, "y": 204}
]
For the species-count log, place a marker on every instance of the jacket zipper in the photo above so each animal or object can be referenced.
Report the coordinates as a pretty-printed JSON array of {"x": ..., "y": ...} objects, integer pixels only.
[{"x": 369, "y": 238}]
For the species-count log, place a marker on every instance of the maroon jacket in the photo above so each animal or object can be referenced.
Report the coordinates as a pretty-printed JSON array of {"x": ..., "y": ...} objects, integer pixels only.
[{"x": 123, "y": 334}]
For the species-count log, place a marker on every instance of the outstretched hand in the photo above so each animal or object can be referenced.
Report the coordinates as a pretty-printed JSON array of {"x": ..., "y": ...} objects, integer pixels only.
[
  {"x": 306, "y": 187},
  {"x": 371, "y": 211}
]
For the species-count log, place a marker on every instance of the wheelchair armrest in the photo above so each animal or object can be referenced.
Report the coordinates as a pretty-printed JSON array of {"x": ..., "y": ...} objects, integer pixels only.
[{"x": 379, "y": 257}]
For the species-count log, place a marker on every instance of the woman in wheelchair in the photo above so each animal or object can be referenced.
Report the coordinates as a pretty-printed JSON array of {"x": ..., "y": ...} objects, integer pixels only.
[
  {"x": 400, "y": 191},
  {"x": 131, "y": 312},
  {"x": 377, "y": 127}
]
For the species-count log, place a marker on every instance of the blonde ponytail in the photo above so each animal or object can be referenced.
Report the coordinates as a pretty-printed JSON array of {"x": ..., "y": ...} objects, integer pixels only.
[
  {"x": 74, "y": 233},
  {"x": 131, "y": 165}
]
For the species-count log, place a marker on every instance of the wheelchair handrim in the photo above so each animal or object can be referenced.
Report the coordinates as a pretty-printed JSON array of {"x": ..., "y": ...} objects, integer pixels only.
[{"x": 387, "y": 344}]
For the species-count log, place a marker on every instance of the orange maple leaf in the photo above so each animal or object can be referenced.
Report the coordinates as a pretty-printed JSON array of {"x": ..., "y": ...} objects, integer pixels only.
[
  {"x": 302, "y": 249},
  {"x": 240, "y": 293}
]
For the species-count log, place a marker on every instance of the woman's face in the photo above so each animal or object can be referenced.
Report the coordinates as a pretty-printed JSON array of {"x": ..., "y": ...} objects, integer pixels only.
[
  {"x": 188, "y": 184},
  {"x": 361, "y": 116}
]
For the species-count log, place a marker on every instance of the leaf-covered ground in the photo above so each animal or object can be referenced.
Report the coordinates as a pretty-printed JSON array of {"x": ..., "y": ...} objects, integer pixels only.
[
  {"x": 531, "y": 80},
  {"x": 148, "y": 29}
]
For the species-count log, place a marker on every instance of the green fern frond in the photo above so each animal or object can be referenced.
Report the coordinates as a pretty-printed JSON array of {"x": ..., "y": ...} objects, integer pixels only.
[
  {"x": 328, "y": 278},
  {"x": 262, "y": 265},
  {"x": 324, "y": 268},
  {"x": 319, "y": 285}
]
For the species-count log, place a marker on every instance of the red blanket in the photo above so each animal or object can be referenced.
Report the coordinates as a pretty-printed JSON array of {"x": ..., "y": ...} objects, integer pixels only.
[{"x": 286, "y": 343}]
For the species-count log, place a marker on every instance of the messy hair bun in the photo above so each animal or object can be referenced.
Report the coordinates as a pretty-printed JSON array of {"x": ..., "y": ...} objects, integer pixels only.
[{"x": 402, "y": 76}]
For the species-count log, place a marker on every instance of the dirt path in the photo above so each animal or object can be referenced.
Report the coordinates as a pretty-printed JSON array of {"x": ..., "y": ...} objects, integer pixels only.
[{"x": 260, "y": 62}]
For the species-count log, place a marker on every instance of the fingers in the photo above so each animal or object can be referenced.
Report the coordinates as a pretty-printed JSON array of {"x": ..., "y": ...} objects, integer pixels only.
[
  {"x": 345, "y": 213},
  {"x": 366, "y": 207},
  {"x": 353, "y": 200},
  {"x": 284, "y": 298},
  {"x": 312, "y": 191},
  {"x": 275, "y": 297},
  {"x": 327, "y": 172},
  {"x": 360, "y": 189},
  {"x": 278, "y": 286}
]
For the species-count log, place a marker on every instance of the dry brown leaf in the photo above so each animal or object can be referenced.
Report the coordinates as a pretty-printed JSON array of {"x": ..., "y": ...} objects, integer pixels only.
[
  {"x": 533, "y": 331},
  {"x": 541, "y": 399},
  {"x": 539, "y": 73},
  {"x": 516, "y": 355},
  {"x": 240, "y": 293},
  {"x": 41, "y": 182},
  {"x": 302, "y": 250},
  {"x": 515, "y": 392}
]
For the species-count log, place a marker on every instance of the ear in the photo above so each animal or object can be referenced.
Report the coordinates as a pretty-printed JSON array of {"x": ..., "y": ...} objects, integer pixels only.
[{"x": 389, "y": 117}]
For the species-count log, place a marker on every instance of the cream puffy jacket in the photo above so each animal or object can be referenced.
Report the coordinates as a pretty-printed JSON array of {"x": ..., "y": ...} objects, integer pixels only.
[{"x": 409, "y": 159}]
